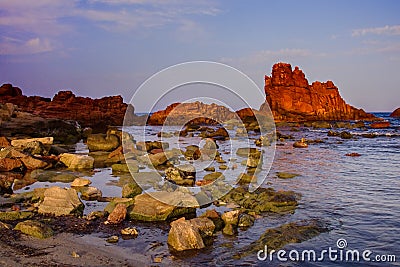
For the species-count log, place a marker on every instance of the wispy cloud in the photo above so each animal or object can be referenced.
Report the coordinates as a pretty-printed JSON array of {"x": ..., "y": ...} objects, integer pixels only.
[
  {"x": 386, "y": 30},
  {"x": 12, "y": 46},
  {"x": 48, "y": 20}
]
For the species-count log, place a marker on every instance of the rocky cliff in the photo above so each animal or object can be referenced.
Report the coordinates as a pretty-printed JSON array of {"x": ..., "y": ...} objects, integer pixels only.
[
  {"x": 292, "y": 98},
  {"x": 196, "y": 112},
  {"x": 95, "y": 113}
]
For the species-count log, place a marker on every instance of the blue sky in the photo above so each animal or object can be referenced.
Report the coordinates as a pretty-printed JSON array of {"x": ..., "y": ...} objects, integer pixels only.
[{"x": 109, "y": 47}]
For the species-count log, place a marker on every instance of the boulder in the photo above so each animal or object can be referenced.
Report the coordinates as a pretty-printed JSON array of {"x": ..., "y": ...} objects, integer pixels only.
[
  {"x": 154, "y": 160},
  {"x": 300, "y": 144},
  {"x": 117, "y": 215},
  {"x": 58, "y": 201},
  {"x": 184, "y": 236},
  {"x": 346, "y": 135},
  {"x": 102, "y": 142},
  {"x": 160, "y": 206},
  {"x": 214, "y": 176},
  {"x": 286, "y": 175},
  {"x": 73, "y": 161},
  {"x": 36, "y": 148},
  {"x": 35, "y": 229}
]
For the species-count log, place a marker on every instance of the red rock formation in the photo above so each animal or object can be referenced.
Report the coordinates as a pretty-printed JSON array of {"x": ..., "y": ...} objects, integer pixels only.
[
  {"x": 380, "y": 125},
  {"x": 396, "y": 113},
  {"x": 196, "y": 113},
  {"x": 292, "y": 98},
  {"x": 95, "y": 113}
]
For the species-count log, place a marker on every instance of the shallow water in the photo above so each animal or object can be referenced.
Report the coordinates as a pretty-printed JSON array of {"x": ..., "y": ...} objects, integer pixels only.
[{"x": 357, "y": 197}]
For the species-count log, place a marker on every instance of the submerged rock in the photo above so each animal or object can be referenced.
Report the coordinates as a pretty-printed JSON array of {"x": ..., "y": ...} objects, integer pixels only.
[
  {"x": 263, "y": 200},
  {"x": 35, "y": 229},
  {"x": 286, "y": 175},
  {"x": 277, "y": 238},
  {"x": 58, "y": 201}
]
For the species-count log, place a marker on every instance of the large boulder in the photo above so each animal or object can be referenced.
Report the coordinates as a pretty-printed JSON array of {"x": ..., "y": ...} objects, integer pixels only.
[
  {"x": 59, "y": 201},
  {"x": 73, "y": 161},
  {"x": 184, "y": 236},
  {"x": 160, "y": 206},
  {"x": 102, "y": 142}
]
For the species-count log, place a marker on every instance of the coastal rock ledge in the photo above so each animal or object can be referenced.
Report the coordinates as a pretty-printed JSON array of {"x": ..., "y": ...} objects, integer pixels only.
[
  {"x": 396, "y": 113},
  {"x": 292, "y": 98}
]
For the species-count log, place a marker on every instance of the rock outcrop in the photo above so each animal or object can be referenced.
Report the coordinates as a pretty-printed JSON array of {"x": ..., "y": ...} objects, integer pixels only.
[
  {"x": 396, "y": 113},
  {"x": 196, "y": 112},
  {"x": 94, "y": 113},
  {"x": 292, "y": 98}
]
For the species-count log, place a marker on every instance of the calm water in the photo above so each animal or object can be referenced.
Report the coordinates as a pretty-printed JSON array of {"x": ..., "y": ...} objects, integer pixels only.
[{"x": 357, "y": 197}]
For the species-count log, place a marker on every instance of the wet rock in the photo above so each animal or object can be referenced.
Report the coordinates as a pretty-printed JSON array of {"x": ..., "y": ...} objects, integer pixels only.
[
  {"x": 286, "y": 175},
  {"x": 380, "y": 125},
  {"x": 90, "y": 193},
  {"x": 279, "y": 237},
  {"x": 130, "y": 231},
  {"x": 118, "y": 215},
  {"x": 184, "y": 175},
  {"x": 131, "y": 190},
  {"x": 154, "y": 160},
  {"x": 8, "y": 164},
  {"x": 246, "y": 152},
  {"x": 333, "y": 133},
  {"x": 263, "y": 141},
  {"x": 133, "y": 167},
  {"x": 246, "y": 220},
  {"x": 35, "y": 229},
  {"x": 210, "y": 169},
  {"x": 11, "y": 152},
  {"x": 353, "y": 154},
  {"x": 262, "y": 200},
  {"x": 346, "y": 135},
  {"x": 215, "y": 217},
  {"x": 95, "y": 215},
  {"x": 192, "y": 152},
  {"x": 184, "y": 236},
  {"x": 60, "y": 202},
  {"x": 152, "y": 206},
  {"x": 321, "y": 125},
  {"x": 229, "y": 229},
  {"x": 150, "y": 145},
  {"x": 214, "y": 176},
  {"x": 395, "y": 113},
  {"x": 78, "y": 182},
  {"x": 343, "y": 124},
  {"x": 369, "y": 135},
  {"x": 245, "y": 178},
  {"x": 102, "y": 142},
  {"x": 15, "y": 215},
  {"x": 73, "y": 161},
  {"x": 231, "y": 220},
  {"x": 112, "y": 239},
  {"x": 223, "y": 167},
  {"x": 300, "y": 144},
  {"x": 254, "y": 160},
  {"x": 359, "y": 124}
]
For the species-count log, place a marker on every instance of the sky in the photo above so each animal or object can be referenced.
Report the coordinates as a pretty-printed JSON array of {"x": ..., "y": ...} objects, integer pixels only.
[{"x": 98, "y": 48}]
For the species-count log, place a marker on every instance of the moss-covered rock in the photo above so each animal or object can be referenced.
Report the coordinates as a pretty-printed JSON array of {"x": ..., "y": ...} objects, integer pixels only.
[
  {"x": 277, "y": 238},
  {"x": 35, "y": 229},
  {"x": 263, "y": 200},
  {"x": 15, "y": 215},
  {"x": 131, "y": 190}
]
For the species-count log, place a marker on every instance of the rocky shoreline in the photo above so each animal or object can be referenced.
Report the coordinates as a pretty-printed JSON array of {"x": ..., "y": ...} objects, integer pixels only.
[{"x": 42, "y": 226}]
